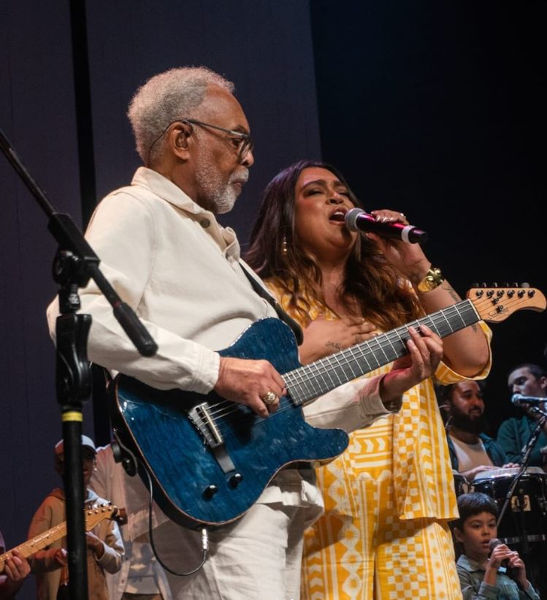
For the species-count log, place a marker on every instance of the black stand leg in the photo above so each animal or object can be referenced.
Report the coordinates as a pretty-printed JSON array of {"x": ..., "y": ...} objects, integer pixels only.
[{"x": 73, "y": 388}]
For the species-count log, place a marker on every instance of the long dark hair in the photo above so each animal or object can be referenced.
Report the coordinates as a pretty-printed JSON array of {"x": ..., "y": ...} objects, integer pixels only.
[{"x": 275, "y": 252}]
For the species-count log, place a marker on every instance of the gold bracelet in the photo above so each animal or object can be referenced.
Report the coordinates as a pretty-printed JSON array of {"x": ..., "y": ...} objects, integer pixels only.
[{"x": 433, "y": 278}]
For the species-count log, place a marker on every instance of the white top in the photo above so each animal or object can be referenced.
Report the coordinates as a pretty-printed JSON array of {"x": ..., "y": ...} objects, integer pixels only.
[{"x": 470, "y": 455}]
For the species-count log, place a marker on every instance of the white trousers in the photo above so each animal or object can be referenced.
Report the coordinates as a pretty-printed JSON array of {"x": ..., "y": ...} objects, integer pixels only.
[{"x": 256, "y": 558}]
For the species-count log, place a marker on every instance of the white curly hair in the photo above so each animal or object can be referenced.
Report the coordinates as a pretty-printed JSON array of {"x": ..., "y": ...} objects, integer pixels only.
[{"x": 165, "y": 98}]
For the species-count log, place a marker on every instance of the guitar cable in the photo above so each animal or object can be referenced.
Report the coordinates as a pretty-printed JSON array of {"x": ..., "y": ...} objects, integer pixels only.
[
  {"x": 131, "y": 466},
  {"x": 204, "y": 536}
]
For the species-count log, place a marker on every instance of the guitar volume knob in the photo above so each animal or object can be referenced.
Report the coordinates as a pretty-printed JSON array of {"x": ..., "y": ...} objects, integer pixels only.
[
  {"x": 210, "y": 491},
  {"x": 236, "y": 479}
]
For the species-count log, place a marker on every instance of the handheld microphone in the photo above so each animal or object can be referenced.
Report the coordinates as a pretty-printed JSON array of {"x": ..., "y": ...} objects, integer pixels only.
[
  {"x": 509, "y": 571},
  {"x": 519, "y": 399},
  {"x": 359, "y": 220}
]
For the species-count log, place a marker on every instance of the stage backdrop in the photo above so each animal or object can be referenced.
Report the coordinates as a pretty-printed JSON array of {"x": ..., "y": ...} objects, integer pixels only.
[{"x": 437, "y": 109}]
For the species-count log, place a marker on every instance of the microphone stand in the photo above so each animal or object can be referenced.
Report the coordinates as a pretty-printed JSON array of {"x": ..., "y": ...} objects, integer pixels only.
[
  {"x": 525, "y": 458},
  {"x": 75, "y": 263}
]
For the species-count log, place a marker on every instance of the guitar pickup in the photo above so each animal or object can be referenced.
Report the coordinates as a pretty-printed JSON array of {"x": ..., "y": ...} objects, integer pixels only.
[{"x": 201, "y": 418}]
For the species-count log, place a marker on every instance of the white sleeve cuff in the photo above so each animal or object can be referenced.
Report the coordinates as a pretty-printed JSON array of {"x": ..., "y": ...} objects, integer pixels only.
[{"x": 351, "y": 406}]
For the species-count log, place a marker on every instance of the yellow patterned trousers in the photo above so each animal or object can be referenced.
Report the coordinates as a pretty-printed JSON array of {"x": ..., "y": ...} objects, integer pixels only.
[{"x": 360, "y": 549}]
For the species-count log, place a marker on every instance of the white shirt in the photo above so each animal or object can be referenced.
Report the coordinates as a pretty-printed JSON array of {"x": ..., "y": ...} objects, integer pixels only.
[{"x": 470, "y": 455}]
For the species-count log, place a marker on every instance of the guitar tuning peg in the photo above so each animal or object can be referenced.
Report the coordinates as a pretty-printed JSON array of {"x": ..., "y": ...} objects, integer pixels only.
[
  {"x": 484, "y": 284},
  {"x": 506, "y": 284},
  {"x": 525, "y": 284},
  {"x": 475, "y": 284},
  {"x": 494, "y": 284}
]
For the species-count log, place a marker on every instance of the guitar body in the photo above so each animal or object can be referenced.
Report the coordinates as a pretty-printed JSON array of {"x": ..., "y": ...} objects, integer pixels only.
[{"x": 156, "y": 425}]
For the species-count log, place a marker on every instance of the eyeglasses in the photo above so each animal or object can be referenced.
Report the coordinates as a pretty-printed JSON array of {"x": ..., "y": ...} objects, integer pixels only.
[{"x": 242, "y": 142}]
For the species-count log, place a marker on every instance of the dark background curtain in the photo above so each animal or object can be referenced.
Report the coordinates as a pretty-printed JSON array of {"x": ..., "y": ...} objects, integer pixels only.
[{"x": 435, "y": 109}]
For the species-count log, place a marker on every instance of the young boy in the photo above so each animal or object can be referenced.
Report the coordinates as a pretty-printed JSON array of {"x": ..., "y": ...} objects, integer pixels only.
[{"x": 480, "y": 566}]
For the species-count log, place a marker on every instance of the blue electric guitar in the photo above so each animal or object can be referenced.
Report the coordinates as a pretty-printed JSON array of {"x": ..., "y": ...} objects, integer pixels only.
[{"x": 210, "y": 459}]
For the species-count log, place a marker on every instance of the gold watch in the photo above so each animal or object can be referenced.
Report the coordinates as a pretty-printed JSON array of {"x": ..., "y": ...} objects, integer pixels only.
[{"x": 433, "y": 278}]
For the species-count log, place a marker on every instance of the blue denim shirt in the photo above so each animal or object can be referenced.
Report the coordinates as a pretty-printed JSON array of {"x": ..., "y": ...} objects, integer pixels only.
[{"x": 471, "y": 576}]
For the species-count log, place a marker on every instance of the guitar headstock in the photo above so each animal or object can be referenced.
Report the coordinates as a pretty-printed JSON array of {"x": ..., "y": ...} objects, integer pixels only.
[
  {"x": 495, "y": 304},
  {"x": 99, "y": 512}
]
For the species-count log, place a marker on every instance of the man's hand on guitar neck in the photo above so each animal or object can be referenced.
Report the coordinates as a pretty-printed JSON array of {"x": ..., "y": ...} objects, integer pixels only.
[{"x": 245, "y": 381}]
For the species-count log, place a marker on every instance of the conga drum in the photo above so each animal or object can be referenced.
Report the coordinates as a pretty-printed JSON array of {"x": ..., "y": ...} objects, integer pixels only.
[{"x": 526, "y": 515}]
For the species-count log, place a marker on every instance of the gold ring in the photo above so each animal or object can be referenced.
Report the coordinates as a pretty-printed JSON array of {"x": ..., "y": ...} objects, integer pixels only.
[{"x": 269, "y": 398}]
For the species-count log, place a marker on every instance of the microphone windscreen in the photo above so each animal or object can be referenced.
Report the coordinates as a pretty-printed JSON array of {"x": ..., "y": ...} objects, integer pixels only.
[{"x": 494, "y": 542}]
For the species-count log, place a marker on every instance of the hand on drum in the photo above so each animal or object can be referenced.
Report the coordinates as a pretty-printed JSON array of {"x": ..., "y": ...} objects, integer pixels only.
[{"x": 472, "y": 473}]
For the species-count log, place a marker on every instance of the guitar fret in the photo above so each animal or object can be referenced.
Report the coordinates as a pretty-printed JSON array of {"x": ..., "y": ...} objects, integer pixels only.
[
  {"x": 330, "y": 370},
  {"x": 353, "y": 373},
  {"x": 381, "y": 348},
  {"x": 337, "y": 368},
  {"x": 447, "y": 322},
  {"x": 393, "y": 349},
  {"x": 366, "y": 360},
  {"x": 322, "y": 383},
  {"x": 460, "y": 315}
]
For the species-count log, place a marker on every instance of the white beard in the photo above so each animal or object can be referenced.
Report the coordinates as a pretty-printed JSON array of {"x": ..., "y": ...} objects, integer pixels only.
[{"x": 221, "y": 193}]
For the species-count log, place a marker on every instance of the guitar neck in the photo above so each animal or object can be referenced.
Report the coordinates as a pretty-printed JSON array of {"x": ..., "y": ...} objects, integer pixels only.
[
  {"x": 38, "y": 542},
  {"x": 308, "y": 382},
  {"x": 93, "y": 516}
]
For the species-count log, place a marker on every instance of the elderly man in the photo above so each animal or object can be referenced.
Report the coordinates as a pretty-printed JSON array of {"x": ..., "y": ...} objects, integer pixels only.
[{"x": 164, "y": 251}]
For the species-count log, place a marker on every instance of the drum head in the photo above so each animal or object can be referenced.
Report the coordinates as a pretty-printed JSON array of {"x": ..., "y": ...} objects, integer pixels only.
[{"x": 507, "y": 472}]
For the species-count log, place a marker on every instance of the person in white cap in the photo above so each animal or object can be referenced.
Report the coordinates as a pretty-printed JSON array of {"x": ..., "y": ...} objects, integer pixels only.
[{"x": 104, "y": 542}]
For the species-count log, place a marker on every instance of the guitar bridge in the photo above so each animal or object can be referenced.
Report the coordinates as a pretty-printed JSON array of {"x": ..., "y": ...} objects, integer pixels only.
[{"x": 204, "y": 423}]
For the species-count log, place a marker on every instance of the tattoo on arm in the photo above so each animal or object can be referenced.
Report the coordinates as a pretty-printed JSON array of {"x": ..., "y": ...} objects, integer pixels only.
[
  {"x": 333, "y": 345},
  {"x": 446, "y": 286}
]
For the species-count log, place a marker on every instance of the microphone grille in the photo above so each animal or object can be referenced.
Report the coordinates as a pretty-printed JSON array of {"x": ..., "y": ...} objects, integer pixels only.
[
  {"x": 516, "y": 399},
  {"x": 351, "y": 218},
  {"x": 493, "y": 543}
]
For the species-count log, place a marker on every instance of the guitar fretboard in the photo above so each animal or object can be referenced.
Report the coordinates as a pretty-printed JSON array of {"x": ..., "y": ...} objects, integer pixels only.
[
  {"x": 36, "y": 543},
  {"x": 311, "y": 381}
]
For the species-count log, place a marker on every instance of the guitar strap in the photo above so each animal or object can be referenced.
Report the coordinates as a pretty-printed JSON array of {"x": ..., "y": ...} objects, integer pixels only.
[{"x": 263, "y": 293}]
